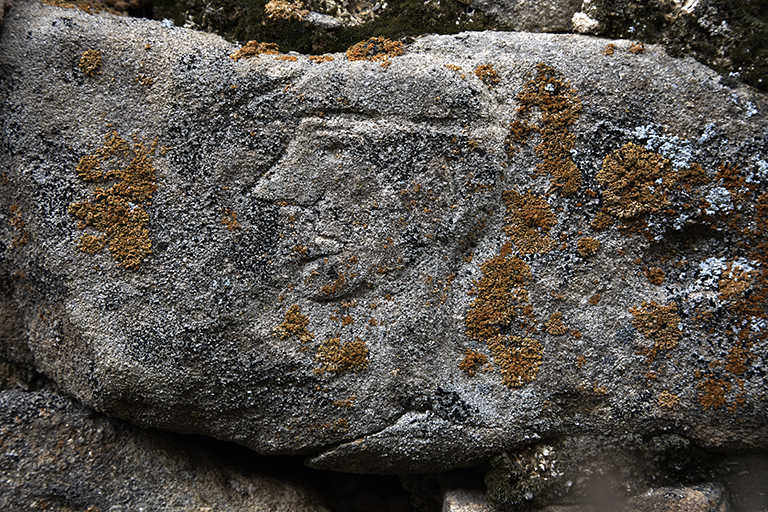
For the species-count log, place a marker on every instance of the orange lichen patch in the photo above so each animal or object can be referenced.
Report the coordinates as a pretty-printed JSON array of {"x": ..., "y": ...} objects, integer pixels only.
[
  {"x": 555, "y": 325},
  {"x": 347, "y": 403},
  {"x": 301, "y": 251},
  {"x": 290, "y": 11},
  {"x": 519, "y": 131},
  {"x": 734, "y": 183},
  {"x": 339, "y": 358},
  {"x": 529, "y": 221},
  {"x": 581, "y": 361},
  {"x": 230, "y": 220},
  {"x": 289, "y": 58},
  {"x": 712, "y": 392},
  {"x": 500, "y": 297},
  {"x": 118, "y": 212},
  {"x": 659, "y": 323},
  {"x": 317, "y": 59},
  {"x": 637, "y": 48},
  {"x": 19, "y": 224},
  {"x": 519, "y": 358},
  {"x": 737, "y": 357},
  {"x": 667, "y": 399},
  {"x": 90, "y": 62},
  {"x": 90, "y": 244},
  {"x": 458, "y": 69},
  {"x": 295, "y": 324},
  {"x": 253, "y": 48},
  {"x": 347, "y": 320},
  {"x": 472, "y": 361},
  {"x": 595, "y": 299},
  {"x": 601, "y": 222},
  {"x": 500, "y": 294},
  {"x": 329, "y": 290},
  {"x": 693, "y": 175},
  {"x": 89, "y": 168},
  {"x": 487, "y": 74},
  {"x": 734, "y": 281},
  {"x": 655, "y": 275},
  {"x": 609, "y": 49},
  {"x": 636, "y": 181},
  {"x": 560, "y": 107},
  {"x": 375, "y": 49},
  {"x": 587, "y": 247}
]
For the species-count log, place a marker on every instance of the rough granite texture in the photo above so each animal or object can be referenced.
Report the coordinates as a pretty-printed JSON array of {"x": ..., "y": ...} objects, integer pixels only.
[
  {"x": 530, "y": 15},
  {"x": 329, "y": 240},
  {"x": 60, "y": 455},
  {"x": 699, "y": 498}
]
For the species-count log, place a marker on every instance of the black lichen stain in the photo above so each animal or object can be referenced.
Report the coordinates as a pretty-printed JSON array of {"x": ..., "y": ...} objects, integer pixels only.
[
  {"x": 449, "y": 406},
  {"x": 253, "y": 247}
]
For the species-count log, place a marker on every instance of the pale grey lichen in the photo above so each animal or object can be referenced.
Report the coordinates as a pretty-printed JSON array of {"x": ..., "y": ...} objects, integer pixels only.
[
  {"x": 674, "y": 149},
  {"x": 710, "y": 132},
  {"x": 719, "y": 200},
  {"x": 760, "y": 174}
]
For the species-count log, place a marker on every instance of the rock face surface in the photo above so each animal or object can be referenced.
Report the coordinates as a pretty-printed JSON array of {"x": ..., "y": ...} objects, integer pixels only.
[
  {"x": 400, "y": 265},
  {"x": 531, "y": 16},
  {"x": 59, "y": 455}
]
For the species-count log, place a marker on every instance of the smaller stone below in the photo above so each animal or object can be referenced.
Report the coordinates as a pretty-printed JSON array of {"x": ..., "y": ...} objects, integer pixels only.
[
  {"x": 322, "y": 20},
  {"x": 85, "y": 461},
  {"x": 697, "y": 498},
  {"x": 584, "y": 24},
  {"x": 465, "y": 500}
]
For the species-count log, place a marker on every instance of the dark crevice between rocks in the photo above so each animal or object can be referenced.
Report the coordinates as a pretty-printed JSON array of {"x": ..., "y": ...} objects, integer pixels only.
[{"x": 346, "y": 492}]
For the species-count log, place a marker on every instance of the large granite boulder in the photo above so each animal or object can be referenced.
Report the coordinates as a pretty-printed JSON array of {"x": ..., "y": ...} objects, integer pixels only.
[{"x": 402, "y": 264}]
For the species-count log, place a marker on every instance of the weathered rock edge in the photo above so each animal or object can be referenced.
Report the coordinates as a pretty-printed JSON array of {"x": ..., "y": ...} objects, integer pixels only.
[{"x": 371, "y": 191}]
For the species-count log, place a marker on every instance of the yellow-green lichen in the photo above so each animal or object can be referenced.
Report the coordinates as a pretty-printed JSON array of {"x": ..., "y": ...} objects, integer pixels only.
[
  {"x": 230, "y": 220},
  {"x": 655, "y": 275},
  {"x": 667, "y": 399},
  {"x": 712, "y": 393},
  {"x": 636, "y": 181},
  {"x": 555, "y": 325},
  {"x": 487, "y": 74},
  {"x": 119, "y": 211},
  {"x": 519, "y": 358},
  {"x": 500, "y": 295},
  {"x": 500, "y": 298},
  {"x": 18, "y": 222}
]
